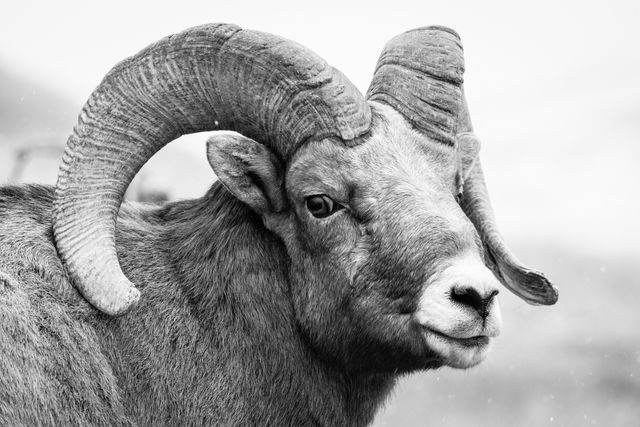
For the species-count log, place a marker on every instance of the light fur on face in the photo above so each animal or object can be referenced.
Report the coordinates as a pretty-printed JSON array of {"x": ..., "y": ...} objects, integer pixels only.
[{"x": 457, "y": 332}]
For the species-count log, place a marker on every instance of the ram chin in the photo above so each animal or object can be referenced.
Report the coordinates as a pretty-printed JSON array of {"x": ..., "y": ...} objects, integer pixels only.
[{"x": 460, "y": 353}]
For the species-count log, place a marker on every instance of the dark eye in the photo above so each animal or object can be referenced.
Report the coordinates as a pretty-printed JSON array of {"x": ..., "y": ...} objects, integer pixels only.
[
  {"x": 459, "y": 197},
  {"x": 321, "y": 206},
  {"x": 459, "y": 194}
]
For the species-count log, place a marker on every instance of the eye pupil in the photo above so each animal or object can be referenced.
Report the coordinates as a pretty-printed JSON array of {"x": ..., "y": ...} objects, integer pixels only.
[
  {"x": 320, "y": 206},
  {"x": 459, "y": 194}
]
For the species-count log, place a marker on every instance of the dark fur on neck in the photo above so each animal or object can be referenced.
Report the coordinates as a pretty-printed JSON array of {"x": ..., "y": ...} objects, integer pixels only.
[{"x": 214, "y": 339}]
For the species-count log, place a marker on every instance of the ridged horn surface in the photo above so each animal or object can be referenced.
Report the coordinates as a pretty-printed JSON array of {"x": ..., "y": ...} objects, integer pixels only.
[
  {"x": 419, "y": 74},
  {"x": 212, "y": 77}
]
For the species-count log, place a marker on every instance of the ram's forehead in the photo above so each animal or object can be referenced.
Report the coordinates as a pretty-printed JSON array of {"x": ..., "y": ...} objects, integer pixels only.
[{"x": 391, "y": 150}]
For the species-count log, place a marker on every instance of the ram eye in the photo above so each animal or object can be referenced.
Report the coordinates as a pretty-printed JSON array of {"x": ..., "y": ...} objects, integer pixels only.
[
  {"x": 459, "y": 194},
  {"x": 321, "y": 206},
  {"x": 459, "y": 197}
]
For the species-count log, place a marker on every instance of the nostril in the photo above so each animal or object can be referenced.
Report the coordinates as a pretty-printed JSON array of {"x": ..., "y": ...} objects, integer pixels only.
[
  {"x": 470, "y": 297},
  {"x": 467, "y": 296}
]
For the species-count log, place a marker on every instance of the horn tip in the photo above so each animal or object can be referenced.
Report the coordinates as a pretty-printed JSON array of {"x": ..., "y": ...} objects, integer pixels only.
[
  {"x": 541, "y": 290},
  {"x": 530, "y": 285},
  {"x": 118, "y": 305}
]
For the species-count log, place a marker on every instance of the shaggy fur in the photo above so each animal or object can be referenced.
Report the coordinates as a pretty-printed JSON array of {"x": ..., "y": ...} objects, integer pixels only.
[{"x": 213, "y": 341}]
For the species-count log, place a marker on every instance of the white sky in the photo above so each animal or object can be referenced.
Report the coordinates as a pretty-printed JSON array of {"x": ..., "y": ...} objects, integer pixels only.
[{"x": 553, "y": 86}]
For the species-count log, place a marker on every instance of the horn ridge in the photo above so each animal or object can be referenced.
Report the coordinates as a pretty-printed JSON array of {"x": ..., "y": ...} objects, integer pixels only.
[{"x": 420, "y": 75}]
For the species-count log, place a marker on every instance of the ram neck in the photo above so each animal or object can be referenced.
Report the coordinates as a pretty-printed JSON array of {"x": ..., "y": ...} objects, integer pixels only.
[{"x": 215, "y": 335}]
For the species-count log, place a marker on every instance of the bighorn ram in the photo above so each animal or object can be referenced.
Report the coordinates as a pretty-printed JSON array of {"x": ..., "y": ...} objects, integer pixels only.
[{"x": 344, "y": 244}]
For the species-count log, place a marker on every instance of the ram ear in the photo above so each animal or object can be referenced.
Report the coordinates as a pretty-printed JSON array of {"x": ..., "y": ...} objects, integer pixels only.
[{"x": 249, "y": 170}]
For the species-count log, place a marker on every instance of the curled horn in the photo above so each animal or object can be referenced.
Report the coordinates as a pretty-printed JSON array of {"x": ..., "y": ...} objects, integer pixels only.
[
  {"x": 530, "y": 285},
  {"x": 212, "y": 77},
  {"x": 420, "y": 74}
]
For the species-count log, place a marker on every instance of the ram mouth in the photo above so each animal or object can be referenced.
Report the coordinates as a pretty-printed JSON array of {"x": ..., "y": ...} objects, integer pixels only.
[
  {"x": 457, "y": 352},
  {"x": 475, "y": 341}
]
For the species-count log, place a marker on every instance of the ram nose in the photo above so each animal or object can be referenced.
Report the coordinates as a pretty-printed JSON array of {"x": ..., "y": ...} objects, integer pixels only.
[
  {"x": 460, "y": 301},
  {"x": 477, "y": 298}
]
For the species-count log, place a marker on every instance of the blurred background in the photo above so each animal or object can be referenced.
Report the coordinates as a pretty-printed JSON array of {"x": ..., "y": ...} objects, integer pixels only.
[{"x": 554, "y": 93}]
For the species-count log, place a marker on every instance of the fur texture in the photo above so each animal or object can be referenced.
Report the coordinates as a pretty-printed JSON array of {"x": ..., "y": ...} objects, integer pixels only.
[
  {"x": 254, "y": 313},
  {"x": 214, "y": 340},
  {"x": 253, "y": 310}
]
